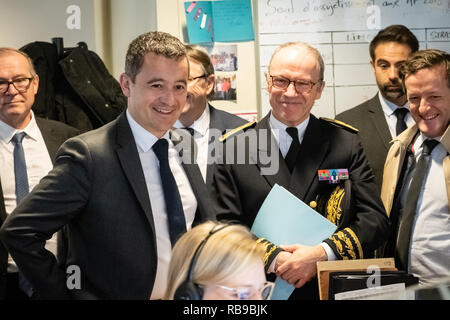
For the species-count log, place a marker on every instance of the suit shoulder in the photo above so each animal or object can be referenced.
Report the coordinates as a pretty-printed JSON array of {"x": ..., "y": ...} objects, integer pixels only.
[
  {"x": 228, "y": 119},
  {"x": 241, "y": 128},
  {"x": 58, "y": 126},
  {"x": 355, "y": 113},
  {"x": 340, "y": 124}
]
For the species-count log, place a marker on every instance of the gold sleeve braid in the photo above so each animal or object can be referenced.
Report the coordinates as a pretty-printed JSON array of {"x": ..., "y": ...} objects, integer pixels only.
[
  {"x": 346, "y": 244},
  {"x": 271, "y": 252}
]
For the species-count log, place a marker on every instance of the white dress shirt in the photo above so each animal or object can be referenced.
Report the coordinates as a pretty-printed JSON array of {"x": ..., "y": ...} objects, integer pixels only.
[
  {"x": 391, "y": 119},
  {"x": 429, "y": 253},
  {"x": 284, "y": 141},
  {"x": 38, "y": 163},
  {"x": 150, "y": 166},
  {"x": 201, "y": 137}
]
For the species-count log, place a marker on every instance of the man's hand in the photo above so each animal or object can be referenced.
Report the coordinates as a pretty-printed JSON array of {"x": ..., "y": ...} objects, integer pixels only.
[{"x": 300, "y": 267}]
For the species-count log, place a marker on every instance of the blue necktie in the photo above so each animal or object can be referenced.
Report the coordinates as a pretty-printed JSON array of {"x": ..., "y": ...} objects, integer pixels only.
[
  {"x": 174, "y": 207},
  {"x": 22, "y": 189},
  {"x": 20, "y": 167}
]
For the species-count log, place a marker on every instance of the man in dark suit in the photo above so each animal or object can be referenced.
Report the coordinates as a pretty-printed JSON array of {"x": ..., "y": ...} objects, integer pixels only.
[
  {"x": 114, "y": 191},
  {"x": 205, "y": 122},
  {"x": 18, "y": 86},
  {"x": 294, "y": 82},
  {"x": 386, "y": 115}
]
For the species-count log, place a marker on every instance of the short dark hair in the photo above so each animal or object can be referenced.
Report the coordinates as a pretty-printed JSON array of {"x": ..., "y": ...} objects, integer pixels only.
[
  {"x": 200, "y": 55},
  {"x": 156, "y": 42},
  {"x": 394, "y": 33},
  {"x": 425, "y": 59}
]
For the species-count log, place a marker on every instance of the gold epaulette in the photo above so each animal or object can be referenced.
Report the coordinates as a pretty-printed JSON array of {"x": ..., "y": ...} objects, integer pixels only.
[
  {"x": 232, "y": 132},
  {"x": 341, "y": 124}
]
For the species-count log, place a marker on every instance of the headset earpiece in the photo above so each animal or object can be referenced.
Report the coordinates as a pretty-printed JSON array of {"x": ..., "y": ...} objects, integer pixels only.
[{"x": 188, "y": 291}]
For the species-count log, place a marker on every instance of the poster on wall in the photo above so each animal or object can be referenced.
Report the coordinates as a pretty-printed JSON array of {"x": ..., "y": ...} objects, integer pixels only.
[
  {"x": 219, "y": 21},
  {"x": 225, "y": 62}
]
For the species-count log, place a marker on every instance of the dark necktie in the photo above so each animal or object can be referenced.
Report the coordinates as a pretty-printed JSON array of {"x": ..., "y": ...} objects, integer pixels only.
[
  {"x": 404, "y": 232},
  {"x": 174, "y": 207},
  {"x": 400, "y": 113},
  {"x": 190, "y": 130},
  {"x": 20, "y": 167},
  {"x": 291, "y": 156},
  {"x": 22, "y": 189}
]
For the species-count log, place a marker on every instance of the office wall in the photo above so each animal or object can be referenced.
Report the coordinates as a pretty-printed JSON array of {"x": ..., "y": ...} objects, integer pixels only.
[
  {"x": 171, "y": 19},
  {"x": 25, "y": 21},
  {"x": 342, "y": 31}
]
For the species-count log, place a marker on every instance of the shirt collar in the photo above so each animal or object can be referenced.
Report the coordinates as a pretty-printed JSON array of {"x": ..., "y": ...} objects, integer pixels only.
[
  {"x": 144, "y": 139},
  {"x": 276, "y": 124},
  {"x": 389, "y": 107},
  {"x": 201, "y": 125},
  {"x": 7, "y": 132}
]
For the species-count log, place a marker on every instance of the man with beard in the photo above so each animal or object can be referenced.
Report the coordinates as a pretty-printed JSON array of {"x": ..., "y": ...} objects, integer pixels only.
[{"x": 386, "y": 115}]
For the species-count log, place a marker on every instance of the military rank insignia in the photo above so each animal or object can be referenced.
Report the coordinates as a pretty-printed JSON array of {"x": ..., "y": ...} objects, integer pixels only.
[{"x": 333, "y": 175}]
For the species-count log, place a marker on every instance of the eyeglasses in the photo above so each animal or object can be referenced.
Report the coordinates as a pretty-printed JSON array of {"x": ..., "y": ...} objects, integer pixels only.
[
  {"x": 300, "y": 86},
  {"x": 195, "y": 78},
  {"x": 21, "y": 85},
  {"x": 249, "y": 292}
]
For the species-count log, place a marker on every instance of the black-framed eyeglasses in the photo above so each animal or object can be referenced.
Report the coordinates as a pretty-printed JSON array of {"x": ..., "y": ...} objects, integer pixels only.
[
  {"x": 195, "y": 78},
  {"x": 300, "y": 86},
  {"x": 21, "y": 85}
]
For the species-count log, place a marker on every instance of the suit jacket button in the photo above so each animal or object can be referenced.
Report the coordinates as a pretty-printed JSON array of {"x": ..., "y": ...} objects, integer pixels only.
[{"x": 313, "y": 204}]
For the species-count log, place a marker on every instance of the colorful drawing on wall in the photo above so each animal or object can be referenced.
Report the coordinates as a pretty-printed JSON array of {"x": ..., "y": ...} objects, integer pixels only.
[{"x": 221, "y": 21}]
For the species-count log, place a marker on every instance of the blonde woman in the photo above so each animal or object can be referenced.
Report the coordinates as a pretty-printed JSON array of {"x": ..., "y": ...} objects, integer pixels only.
[{"x": 217, "y": 261}]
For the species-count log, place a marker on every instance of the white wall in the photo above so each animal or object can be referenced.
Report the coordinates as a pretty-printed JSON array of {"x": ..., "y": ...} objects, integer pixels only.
[
  {"x": 25, "y": 21},
  {"x": 129, "y": 19}
]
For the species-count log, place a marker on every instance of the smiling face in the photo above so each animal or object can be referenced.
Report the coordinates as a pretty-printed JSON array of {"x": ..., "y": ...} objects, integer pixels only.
[
  {"x": 158, "y": 95},
  {"x": 293, "y": 63},
  {"x": 199, "y": 86},
  {"x": 388, "y": 57},
  {"x": 429, "y": 100},
  {"x": 15, "y": 106}
]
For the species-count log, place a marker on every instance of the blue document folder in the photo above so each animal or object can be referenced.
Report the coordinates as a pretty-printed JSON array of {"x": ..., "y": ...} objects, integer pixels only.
[{"x": 285, "y": 219}]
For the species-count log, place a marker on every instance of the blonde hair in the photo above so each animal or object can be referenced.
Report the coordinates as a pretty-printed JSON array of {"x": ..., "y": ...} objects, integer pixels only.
[{"x": 225, "y": 254}]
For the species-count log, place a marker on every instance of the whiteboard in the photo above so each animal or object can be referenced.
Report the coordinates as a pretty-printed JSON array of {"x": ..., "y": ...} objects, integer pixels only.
[{"x": 341, "y": 30}]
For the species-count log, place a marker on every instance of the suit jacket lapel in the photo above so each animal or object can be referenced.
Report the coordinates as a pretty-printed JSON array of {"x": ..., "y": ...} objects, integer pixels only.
[
  {"x": 131, "y": 165},
  {"x": 312, "y": 153},
  {"x": 282, "y": 175},
  {"x": 193, "y": 174},
  {"x": 216, "y": 123},
  {"x": 376, "y": 114},
  {"x": 2, "y": 206},
  {"x": 52, "y": 141}
]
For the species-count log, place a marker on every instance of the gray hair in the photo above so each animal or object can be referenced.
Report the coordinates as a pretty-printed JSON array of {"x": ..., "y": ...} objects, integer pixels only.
[
  {"x": 310, "y": 49},
  {"x": 5, "y": 51}
]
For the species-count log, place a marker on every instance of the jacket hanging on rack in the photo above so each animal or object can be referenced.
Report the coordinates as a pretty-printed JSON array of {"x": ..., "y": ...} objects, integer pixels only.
[{"x": 75, "y": 88}]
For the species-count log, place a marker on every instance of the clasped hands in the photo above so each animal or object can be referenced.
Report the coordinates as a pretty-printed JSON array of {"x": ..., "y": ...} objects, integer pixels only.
[{"x": 297, "y": 263}]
